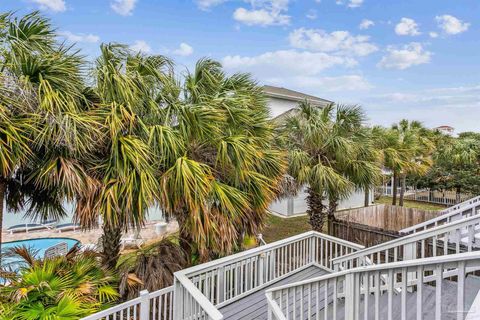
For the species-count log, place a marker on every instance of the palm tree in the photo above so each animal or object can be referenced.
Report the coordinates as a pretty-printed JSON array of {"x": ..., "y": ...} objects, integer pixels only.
[
  {"x": 44, "y": 121},
  {"x": 65, "y": 287},
  {"x": 329, "y": 152},
  {"x": 406, "y": 149},
  {"x": 218, "y": 164},
  {"x": 361, "y": 165},
  {"x": 123, "y": 182},
  {"x": 151, "y": 267}
]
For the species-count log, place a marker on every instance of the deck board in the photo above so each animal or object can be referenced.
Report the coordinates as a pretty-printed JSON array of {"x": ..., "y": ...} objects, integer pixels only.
[{"x": 254, "y": 306}]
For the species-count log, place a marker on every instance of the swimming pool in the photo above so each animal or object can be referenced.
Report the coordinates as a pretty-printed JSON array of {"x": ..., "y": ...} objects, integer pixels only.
[{"x": 38, "y": 245}]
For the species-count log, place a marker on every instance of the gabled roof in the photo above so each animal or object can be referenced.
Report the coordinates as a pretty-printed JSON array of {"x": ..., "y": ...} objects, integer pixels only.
[{"x": 287, "y": 94}]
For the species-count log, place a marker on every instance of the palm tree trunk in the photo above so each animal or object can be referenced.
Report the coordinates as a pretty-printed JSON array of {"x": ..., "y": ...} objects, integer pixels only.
[
  {"x": 184, "y": 237},
  {"x": 111, "y": 245},
  {"x": 332, "y": 208},
  {"x": 315, "y": 210},
  {"x": 3, "y": 187},
  {"x": 403, "y": 183},
  {"x": 395, "y": 188},
  {"x": 366, "y": 202}
]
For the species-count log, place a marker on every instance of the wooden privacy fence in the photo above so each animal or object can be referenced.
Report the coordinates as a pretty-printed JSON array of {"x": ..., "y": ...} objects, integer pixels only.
[
  {"x": 360, "y": 233},
  {"x": 386, "y": 217},
  {"x": 370, "y": 226}
]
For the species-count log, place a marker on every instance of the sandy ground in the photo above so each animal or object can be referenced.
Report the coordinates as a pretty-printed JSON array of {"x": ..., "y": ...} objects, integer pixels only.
[{"x": 91, "y": 236}]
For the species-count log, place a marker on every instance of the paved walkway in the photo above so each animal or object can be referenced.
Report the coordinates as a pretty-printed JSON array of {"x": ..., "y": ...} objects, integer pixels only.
[{"x": 87, "y": 237}]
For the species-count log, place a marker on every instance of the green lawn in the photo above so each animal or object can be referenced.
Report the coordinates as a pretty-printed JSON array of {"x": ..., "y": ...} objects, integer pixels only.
[
  {"x": 281, "y": 228},
  {"x": 413, "y": 204}
]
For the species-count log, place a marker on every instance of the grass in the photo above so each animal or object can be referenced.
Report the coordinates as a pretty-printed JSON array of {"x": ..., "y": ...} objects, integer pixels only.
[
  {"x": 412, "y": 204},
  {"x": 281, "y": 228}
]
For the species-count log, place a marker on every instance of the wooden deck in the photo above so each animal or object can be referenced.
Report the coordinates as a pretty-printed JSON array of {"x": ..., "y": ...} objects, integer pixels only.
[{"x": 254, "y": 306}]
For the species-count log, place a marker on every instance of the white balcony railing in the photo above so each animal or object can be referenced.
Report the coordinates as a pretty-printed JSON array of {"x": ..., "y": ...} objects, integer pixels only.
[
  {"x": 215, "y": 284},
  {"x": 466, "y": 210},
  {"x": 456, "y": 237},
  {"x": 199, "y": 291},
  {"x": 462, "y": 204},
  {"x": 360, "y": 293},
  {"x": 157, "y": 305}
]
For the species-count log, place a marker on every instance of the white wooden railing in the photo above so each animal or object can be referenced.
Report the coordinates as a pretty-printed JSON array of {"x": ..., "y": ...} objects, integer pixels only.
[
  {"x": 447, "y": 197},
  {"x": 466, "y": 210},
  {"x": 462, "y": 204},
  {"x": 199, "y": 291},
  {"x": 455, "y": 237},
  {"x": 368, "y": 292},
  {"x": 156, "y": 305},
  {"x": 206, "y": 287}
]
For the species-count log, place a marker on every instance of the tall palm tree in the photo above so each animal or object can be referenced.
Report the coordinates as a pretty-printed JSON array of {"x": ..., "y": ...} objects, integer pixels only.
[
  {"x": 200, "y": 148},
  {"x": 121, "y": 166},
  {"x": 42, "y": 101},
  {"x": 406, "y": 149},
  {"x": 329, "y": 153},
  {"x": 219, "y": 167},
  {"x": 361, "y": 165}
]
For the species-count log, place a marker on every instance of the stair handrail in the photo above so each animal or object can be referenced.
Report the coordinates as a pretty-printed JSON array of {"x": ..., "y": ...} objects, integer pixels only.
[
  {"x": 449, "y": 266},
  {"x": 411, "y": 239},
  {"x": 468, "y": 210},
  {"x": 461, "y": 204}
]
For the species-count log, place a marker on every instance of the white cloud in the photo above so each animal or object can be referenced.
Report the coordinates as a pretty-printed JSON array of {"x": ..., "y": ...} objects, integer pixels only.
[
  {"x": 402, "y": 58},
  {"x": 448, "y": 104},
  {"x": 433, "y": 34},
  {"x": 141, "y": 46},
  {"x": 286, "y": 63},
  {"x": 311, "y": 14},
  {"x": 338, "y": 41},
  {"x": 260, "y": 17},
  {"x": 79, "y": 37},
  {"x": 350, "y": 3},
  {"x": 303, "y": 71},
  {"x": 263, "y": 13},
  {"x": 340, "y": 83},
  {"x": 123, "y": 7},
  {"x": 407, "y": 27},
  {"x": 183, "y": 50},
  {"x": 207, "y": 4},
  {"x": 365, "y": 24},
  {"x": 53, "y": 5},
  {"x": 451, "y": 25}
]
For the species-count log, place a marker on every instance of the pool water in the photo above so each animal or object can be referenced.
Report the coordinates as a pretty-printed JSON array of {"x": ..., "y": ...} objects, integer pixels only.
[{"x": 37, "y": 245}]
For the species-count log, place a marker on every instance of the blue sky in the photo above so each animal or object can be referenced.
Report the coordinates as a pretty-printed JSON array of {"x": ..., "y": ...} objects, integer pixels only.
[{"x": 415, "y": 59}]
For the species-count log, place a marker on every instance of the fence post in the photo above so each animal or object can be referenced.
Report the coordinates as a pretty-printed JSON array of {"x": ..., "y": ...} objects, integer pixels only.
[
  {"x": 410, "y": 253},
  {"x": 312, "y": 249},
  {"x": 350, "y": 296},
  {"x": 144, "y": 305},
  {"x": 177, "y": 300},
  {"x": 261, "y": 267},
  {"x": 221, "y": 284}
]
